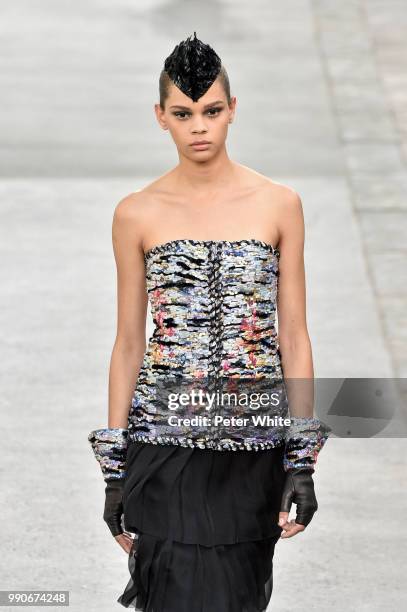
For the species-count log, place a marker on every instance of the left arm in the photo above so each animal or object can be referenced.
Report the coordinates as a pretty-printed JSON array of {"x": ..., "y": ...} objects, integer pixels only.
[
  {"x": 305, "y": 437},
  {"x": 294, "y": 341}
]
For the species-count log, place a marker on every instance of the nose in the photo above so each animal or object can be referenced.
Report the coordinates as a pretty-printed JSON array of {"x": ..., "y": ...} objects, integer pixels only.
[{"x": 199, "y": 128}]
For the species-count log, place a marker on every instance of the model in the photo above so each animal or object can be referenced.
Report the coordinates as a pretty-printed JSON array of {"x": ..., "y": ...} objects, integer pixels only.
[{"x": 205, "y": 485}]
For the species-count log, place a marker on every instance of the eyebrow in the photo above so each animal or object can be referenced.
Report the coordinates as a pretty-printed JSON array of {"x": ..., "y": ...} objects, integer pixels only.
[{"x": 206, "y": 105}]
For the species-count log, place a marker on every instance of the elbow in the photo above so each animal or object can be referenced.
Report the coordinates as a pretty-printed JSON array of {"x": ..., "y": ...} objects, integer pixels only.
[
  {"x": 135, "y": 347},
  {"x": 294, "y": 342}
]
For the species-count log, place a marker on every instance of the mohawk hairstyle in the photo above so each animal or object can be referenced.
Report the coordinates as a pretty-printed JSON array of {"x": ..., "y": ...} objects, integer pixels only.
[{"x": 193, "y": 66}]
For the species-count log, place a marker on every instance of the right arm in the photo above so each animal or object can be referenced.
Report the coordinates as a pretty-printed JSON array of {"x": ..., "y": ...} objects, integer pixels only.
[
  {"x": 110, "y": 444},
  {"x": 132, "y": 301}
]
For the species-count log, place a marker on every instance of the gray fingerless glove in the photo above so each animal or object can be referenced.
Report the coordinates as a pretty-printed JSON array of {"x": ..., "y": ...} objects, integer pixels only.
[
  {"x": 109, "y": 446},
  {"x": 304, "y": 440}
]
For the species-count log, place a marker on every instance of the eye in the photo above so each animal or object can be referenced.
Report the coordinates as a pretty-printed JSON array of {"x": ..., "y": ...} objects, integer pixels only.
[
  {"x": 216, "y": 110},
  {"x": 213, "y": 112},
  {"x": 178, "y": 113}
]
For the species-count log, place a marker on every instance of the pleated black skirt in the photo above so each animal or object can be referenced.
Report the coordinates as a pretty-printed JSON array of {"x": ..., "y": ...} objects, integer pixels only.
[{"x": 206, "y": 524}]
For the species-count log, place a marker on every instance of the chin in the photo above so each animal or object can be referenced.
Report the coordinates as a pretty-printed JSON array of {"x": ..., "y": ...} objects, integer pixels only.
[{"x": 199, "y": 154}]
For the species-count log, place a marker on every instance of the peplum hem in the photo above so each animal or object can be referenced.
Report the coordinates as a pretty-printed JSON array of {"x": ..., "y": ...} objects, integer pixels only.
[
  {"x": 169, "y": 576},
  {"x": 206, "y": 525}
]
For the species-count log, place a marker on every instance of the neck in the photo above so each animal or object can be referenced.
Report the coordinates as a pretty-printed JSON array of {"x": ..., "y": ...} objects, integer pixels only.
[{"x": 205, "y": 176}]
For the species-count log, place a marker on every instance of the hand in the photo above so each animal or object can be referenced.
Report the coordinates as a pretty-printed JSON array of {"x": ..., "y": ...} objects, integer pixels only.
[
  {"x": 113, "y": 510},
  {"x": 298, "y": 488},
  {"x": 125, "y": 541}
]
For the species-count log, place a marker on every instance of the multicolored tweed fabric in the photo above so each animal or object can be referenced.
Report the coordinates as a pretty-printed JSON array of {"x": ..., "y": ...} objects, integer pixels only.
[
  {"x": 109, "y": 447},
  {"x": 214, "y": 307},
  {"x": 213, "y": 304}
]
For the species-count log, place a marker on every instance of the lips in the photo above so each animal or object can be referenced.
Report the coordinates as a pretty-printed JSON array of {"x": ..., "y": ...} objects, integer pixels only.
[{"x": 200, "y": 142}]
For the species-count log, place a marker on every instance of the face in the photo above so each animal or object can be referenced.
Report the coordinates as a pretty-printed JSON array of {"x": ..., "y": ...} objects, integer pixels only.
[{"x": 188, "y": 121}]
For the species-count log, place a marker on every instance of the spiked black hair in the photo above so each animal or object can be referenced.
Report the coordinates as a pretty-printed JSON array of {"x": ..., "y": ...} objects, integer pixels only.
[{"x": 193, "y": 66}]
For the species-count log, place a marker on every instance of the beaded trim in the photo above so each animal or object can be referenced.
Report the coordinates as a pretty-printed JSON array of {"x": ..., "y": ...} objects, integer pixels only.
[
  {"x": 159, "y": 248},
  {"x": 220, "y": 445},
  {"x": 109, "y": 446},
  {"x": 215, "y": 311}
]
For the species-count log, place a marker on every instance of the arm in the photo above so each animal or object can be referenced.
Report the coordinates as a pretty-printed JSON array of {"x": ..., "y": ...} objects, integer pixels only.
[
  {"x": 130, "y": 343},
  {"x": 110, "y": 444},
  {"x": 294, "y": 341},
  {"x": 306, "y": 435}
]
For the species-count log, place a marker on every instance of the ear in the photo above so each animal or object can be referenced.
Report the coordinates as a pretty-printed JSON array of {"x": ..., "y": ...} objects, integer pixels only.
[
  {"x": 232, "y": 108},
  {"x": 160, "y": 116}
]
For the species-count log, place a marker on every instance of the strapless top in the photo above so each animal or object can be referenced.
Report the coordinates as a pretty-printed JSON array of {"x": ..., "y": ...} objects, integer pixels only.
[
  {"x": 213, "y": 304},
  {"x": 214, "y": 307}
]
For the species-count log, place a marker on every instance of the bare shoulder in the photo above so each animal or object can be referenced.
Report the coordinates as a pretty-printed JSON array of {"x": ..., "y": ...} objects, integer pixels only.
[
  {"x": 275, "y": 193},
  {"x": 282, "y": 202},
  {"x": 141, "y": 204},
  {"x": 133, "y": 206},
  {"x": 280, "y": 199},
  {"x": 286, "y": 206},
  {"x": 130, "y": 219},
  {"x": 281, "y": 195},
  {"x": 282, "y": 208}
]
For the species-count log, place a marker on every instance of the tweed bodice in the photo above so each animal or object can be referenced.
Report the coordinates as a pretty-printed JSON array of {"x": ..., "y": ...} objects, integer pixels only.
[{"x": 213, "y": 305}]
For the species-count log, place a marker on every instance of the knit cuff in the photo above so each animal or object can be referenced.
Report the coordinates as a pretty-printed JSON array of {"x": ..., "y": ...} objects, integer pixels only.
[
  {"x": 109, "y": 446},
  {"x": 305, "y": 438}
]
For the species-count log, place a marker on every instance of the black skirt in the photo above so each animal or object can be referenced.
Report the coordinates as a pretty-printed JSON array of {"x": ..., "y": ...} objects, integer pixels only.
[{"x": 206, "y": 523}]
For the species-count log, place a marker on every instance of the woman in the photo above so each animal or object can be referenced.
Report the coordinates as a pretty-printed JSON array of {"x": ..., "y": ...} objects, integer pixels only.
[{"x": 206, "y": 490}]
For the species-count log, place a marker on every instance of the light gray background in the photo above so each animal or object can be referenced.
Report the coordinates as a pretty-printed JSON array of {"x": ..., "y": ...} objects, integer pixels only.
[{"x": 321, "y": 106}]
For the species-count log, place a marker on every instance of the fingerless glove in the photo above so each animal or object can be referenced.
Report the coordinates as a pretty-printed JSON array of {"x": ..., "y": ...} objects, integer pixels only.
[
  {"x": 110, "y": 449},
  {"x": 113, "y": 511},
  {"x": 299, "y": 489},
  {"x": 305, "y": 438},
  {"x": 109, "y": 446}
]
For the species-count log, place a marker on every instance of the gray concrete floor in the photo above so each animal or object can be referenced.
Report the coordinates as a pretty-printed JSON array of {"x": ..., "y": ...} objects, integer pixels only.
[{"x": 321, "y": 89}]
